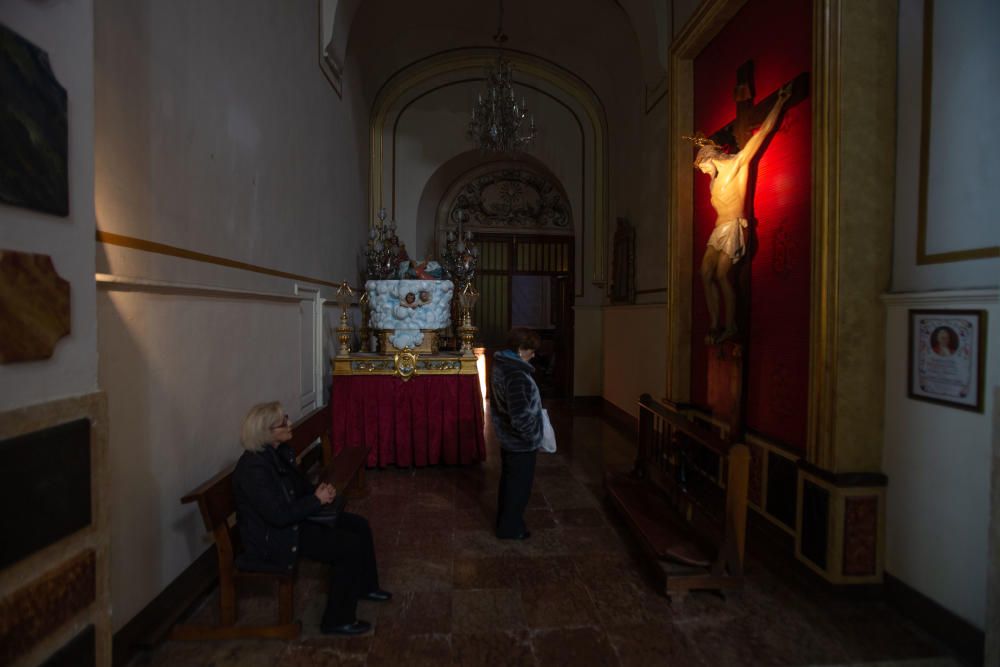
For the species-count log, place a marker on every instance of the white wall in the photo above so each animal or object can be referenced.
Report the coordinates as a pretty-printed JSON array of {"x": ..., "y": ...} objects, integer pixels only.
[
  {"x": 635, "y": 356},
  {"x": 962, "y": 197},
  {"x": 216, "y": 133},
  {"x": 938, "y": 463},
  {"x": 938, "y": 458},
  {"x": 65, "y": 31}
]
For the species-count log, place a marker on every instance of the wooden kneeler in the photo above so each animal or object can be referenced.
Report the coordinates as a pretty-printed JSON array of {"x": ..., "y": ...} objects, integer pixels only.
[{"x": 218, "y": 508}]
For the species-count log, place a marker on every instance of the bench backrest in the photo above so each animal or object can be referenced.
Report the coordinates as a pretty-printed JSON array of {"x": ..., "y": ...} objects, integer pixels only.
[{"x": 678, "y": 454}]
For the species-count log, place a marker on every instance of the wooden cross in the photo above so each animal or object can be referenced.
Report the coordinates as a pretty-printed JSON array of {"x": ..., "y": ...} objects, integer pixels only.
[{"x": 749, "y": 116}]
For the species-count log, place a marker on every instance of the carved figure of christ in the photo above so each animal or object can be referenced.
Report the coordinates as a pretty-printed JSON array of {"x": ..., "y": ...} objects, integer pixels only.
[{"x": 729, "y": 175}]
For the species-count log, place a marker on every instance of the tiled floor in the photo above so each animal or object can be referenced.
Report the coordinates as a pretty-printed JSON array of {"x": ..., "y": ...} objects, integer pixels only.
[{"x": 573, "y": 594}]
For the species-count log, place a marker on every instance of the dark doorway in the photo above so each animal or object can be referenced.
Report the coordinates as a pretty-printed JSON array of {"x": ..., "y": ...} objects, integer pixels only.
[{"x": 527, "y": 280}]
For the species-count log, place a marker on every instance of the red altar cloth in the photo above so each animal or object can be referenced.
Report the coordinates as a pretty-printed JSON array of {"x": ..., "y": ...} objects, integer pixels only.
[{"x": 426, "y": 420}]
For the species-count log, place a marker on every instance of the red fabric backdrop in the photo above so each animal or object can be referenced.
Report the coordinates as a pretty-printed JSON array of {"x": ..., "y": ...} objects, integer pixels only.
[
  {"x": 777, "y": 36},
  {"x": 426, "y": 420}
]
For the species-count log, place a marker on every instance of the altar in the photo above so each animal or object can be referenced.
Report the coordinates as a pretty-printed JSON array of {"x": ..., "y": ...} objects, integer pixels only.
[{"x": 411, "y": 409}]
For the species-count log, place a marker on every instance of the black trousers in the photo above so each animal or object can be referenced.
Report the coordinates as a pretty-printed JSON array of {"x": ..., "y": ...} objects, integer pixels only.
[
  {"x": 349, "y": 548},
  {"x": 517, "y": 474}
]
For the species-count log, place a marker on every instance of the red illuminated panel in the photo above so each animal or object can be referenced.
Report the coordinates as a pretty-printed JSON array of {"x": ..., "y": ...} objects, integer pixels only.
[{"x": 776, "y": 36}]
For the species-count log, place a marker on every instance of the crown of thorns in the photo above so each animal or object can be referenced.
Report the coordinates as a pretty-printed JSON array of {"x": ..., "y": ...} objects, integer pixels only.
[{"x": 700, "y": 140}]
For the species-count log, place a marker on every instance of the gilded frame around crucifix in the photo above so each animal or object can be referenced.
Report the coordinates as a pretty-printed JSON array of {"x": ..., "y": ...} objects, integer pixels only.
[{"x": 851, "y": 219}]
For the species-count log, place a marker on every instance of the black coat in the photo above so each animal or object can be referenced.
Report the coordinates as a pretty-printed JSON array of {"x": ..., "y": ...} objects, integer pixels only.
[
  {"x": 272, "y": 498},
  {"x": 515, "y": 404}
]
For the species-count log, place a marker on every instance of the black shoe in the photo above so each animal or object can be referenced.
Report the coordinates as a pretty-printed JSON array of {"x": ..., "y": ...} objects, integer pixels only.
[
  {"x": 378, "y": 596},
  {"x": 520, "y": 536},
  {"x": 355, "y": 628}
]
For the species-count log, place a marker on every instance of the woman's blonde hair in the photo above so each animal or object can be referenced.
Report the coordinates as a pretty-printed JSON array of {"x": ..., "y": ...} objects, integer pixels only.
[{"x": 256, "y": 432}]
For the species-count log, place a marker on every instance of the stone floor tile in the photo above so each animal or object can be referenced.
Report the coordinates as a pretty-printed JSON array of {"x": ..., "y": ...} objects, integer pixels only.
[{"x": 579, "y": 647}]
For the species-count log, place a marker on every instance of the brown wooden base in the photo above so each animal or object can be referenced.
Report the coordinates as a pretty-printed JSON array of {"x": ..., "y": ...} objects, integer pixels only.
[{"x": 682, "y": 558}]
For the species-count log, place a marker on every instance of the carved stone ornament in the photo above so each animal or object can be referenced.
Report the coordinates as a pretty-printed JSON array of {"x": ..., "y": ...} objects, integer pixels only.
[
  {"x": 34, "y": 307},
  {"x": 511, "y": 198}
]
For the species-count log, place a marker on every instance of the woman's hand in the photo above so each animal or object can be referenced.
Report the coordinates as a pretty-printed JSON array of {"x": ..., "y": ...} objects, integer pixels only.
[{"x": 326, "y": 493}]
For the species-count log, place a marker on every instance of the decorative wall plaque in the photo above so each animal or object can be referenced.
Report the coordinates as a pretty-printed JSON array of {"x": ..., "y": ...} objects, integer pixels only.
[
  {"x": 34, "y": 131},
  {"x": 34, "y": 306},
  {"x": 512, "y": 198}
]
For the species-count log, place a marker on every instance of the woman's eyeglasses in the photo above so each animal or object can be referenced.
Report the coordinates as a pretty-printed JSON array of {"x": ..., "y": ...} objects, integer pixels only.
[{"x": 284, "y": 422}]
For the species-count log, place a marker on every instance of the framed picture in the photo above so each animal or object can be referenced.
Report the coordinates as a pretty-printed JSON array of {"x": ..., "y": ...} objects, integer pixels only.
[{"x": 946, "y": 357}]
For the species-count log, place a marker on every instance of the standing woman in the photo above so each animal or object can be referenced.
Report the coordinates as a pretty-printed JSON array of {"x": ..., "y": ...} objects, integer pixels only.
[
  {"x": 516, "y": 411},
  {"x": 274, "y": 501}
]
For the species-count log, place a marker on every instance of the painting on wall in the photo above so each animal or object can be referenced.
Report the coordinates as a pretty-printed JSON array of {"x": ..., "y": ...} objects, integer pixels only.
[
  {"x": 946, "y": 357},
  {"x": 34, "y": 132}
]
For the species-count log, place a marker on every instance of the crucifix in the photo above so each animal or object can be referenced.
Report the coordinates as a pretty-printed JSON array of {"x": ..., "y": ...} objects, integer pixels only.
[
  {"x": 731, "y": 181},
  {"x": 730, "y": 174}
]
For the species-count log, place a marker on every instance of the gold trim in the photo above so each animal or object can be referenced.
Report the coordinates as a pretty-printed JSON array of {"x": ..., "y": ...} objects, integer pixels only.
[
  {"x": 111, "y": 238},
  {"x": 423, "y": 364},
  {"x": 477, "y": 59},
  {"x": 701, "y": 28},
  {"x": 923, "y": 257},
  {"x": 821, "y": 422}
]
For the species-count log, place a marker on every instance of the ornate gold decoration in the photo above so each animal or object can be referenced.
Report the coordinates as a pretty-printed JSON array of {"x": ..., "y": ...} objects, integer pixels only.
[
  {"x": 406, "y": 364},
  {"x": 446, "y": 363},
  {"x": 467, "y": 300},
  {"x": 343, "y": 298}
]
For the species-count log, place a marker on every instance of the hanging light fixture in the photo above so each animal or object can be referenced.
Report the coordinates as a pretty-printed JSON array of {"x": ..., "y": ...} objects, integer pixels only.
[{"x": 500, "y": 124}]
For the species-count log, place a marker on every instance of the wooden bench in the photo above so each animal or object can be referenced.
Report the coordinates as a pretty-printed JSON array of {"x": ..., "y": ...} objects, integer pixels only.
[
  {"x": 693, "y": 531},
  {"x": 217, "y": 503}
]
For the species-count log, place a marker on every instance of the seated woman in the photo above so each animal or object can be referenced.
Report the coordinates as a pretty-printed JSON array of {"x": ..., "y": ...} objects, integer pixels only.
[{"x": 274, "y": 502}]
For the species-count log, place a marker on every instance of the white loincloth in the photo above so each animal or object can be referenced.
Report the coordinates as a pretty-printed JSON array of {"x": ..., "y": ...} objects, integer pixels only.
[{"x": 728, "y": 237}]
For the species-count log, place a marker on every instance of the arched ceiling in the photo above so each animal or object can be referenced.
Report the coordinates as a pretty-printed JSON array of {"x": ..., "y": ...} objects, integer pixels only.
[{"x": 593, "y": 38}]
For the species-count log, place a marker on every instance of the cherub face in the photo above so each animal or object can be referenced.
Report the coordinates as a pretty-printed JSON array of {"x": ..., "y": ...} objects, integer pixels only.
[
  {"x": 410, "y": 297},
  {"x": 425, "y": 296}
]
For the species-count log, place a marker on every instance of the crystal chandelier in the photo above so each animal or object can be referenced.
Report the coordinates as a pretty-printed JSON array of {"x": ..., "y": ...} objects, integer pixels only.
[{"x": 499, "y": 123}]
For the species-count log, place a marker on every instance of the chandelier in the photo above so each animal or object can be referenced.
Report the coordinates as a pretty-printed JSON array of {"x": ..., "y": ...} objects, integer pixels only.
[{"x": 499, "y": 123}]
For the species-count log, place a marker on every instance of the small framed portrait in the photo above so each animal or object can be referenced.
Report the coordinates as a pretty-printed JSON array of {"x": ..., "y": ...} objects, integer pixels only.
[{"x": 946, "y": 357}]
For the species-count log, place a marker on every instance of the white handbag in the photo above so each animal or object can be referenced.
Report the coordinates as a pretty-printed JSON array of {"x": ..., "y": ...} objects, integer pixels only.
[{"x": 548, "y": 434}]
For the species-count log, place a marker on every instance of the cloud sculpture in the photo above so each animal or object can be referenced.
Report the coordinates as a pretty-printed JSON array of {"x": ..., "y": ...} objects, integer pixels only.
[{"x": 407, "y": 306}]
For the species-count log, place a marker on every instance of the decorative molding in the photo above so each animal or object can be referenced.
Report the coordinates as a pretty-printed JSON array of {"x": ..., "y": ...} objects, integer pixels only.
[
  {"x": 943, "y": 297},
  {"x": 35, "y": 306},
  {"x": 825, "y": 298},
  {"x": 127, "y": 284},
  {"x": 860, "y": 535},
  {"x": 512, "y": 199},
  {"x": 924, "y": 257},
  {"x": 133, "y": 243},
  {"x": 476, "y": 60}
]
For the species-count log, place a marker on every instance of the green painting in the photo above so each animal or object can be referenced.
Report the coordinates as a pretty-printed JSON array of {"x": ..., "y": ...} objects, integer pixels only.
[{"x": 33, "y": 128}]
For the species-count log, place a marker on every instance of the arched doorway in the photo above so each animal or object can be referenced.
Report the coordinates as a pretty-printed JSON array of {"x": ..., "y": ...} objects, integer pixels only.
[{"x": 522, "y": 222}]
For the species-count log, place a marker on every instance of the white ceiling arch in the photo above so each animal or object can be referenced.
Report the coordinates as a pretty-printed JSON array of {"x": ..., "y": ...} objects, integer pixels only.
[{"x": 564, "y": 93}]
